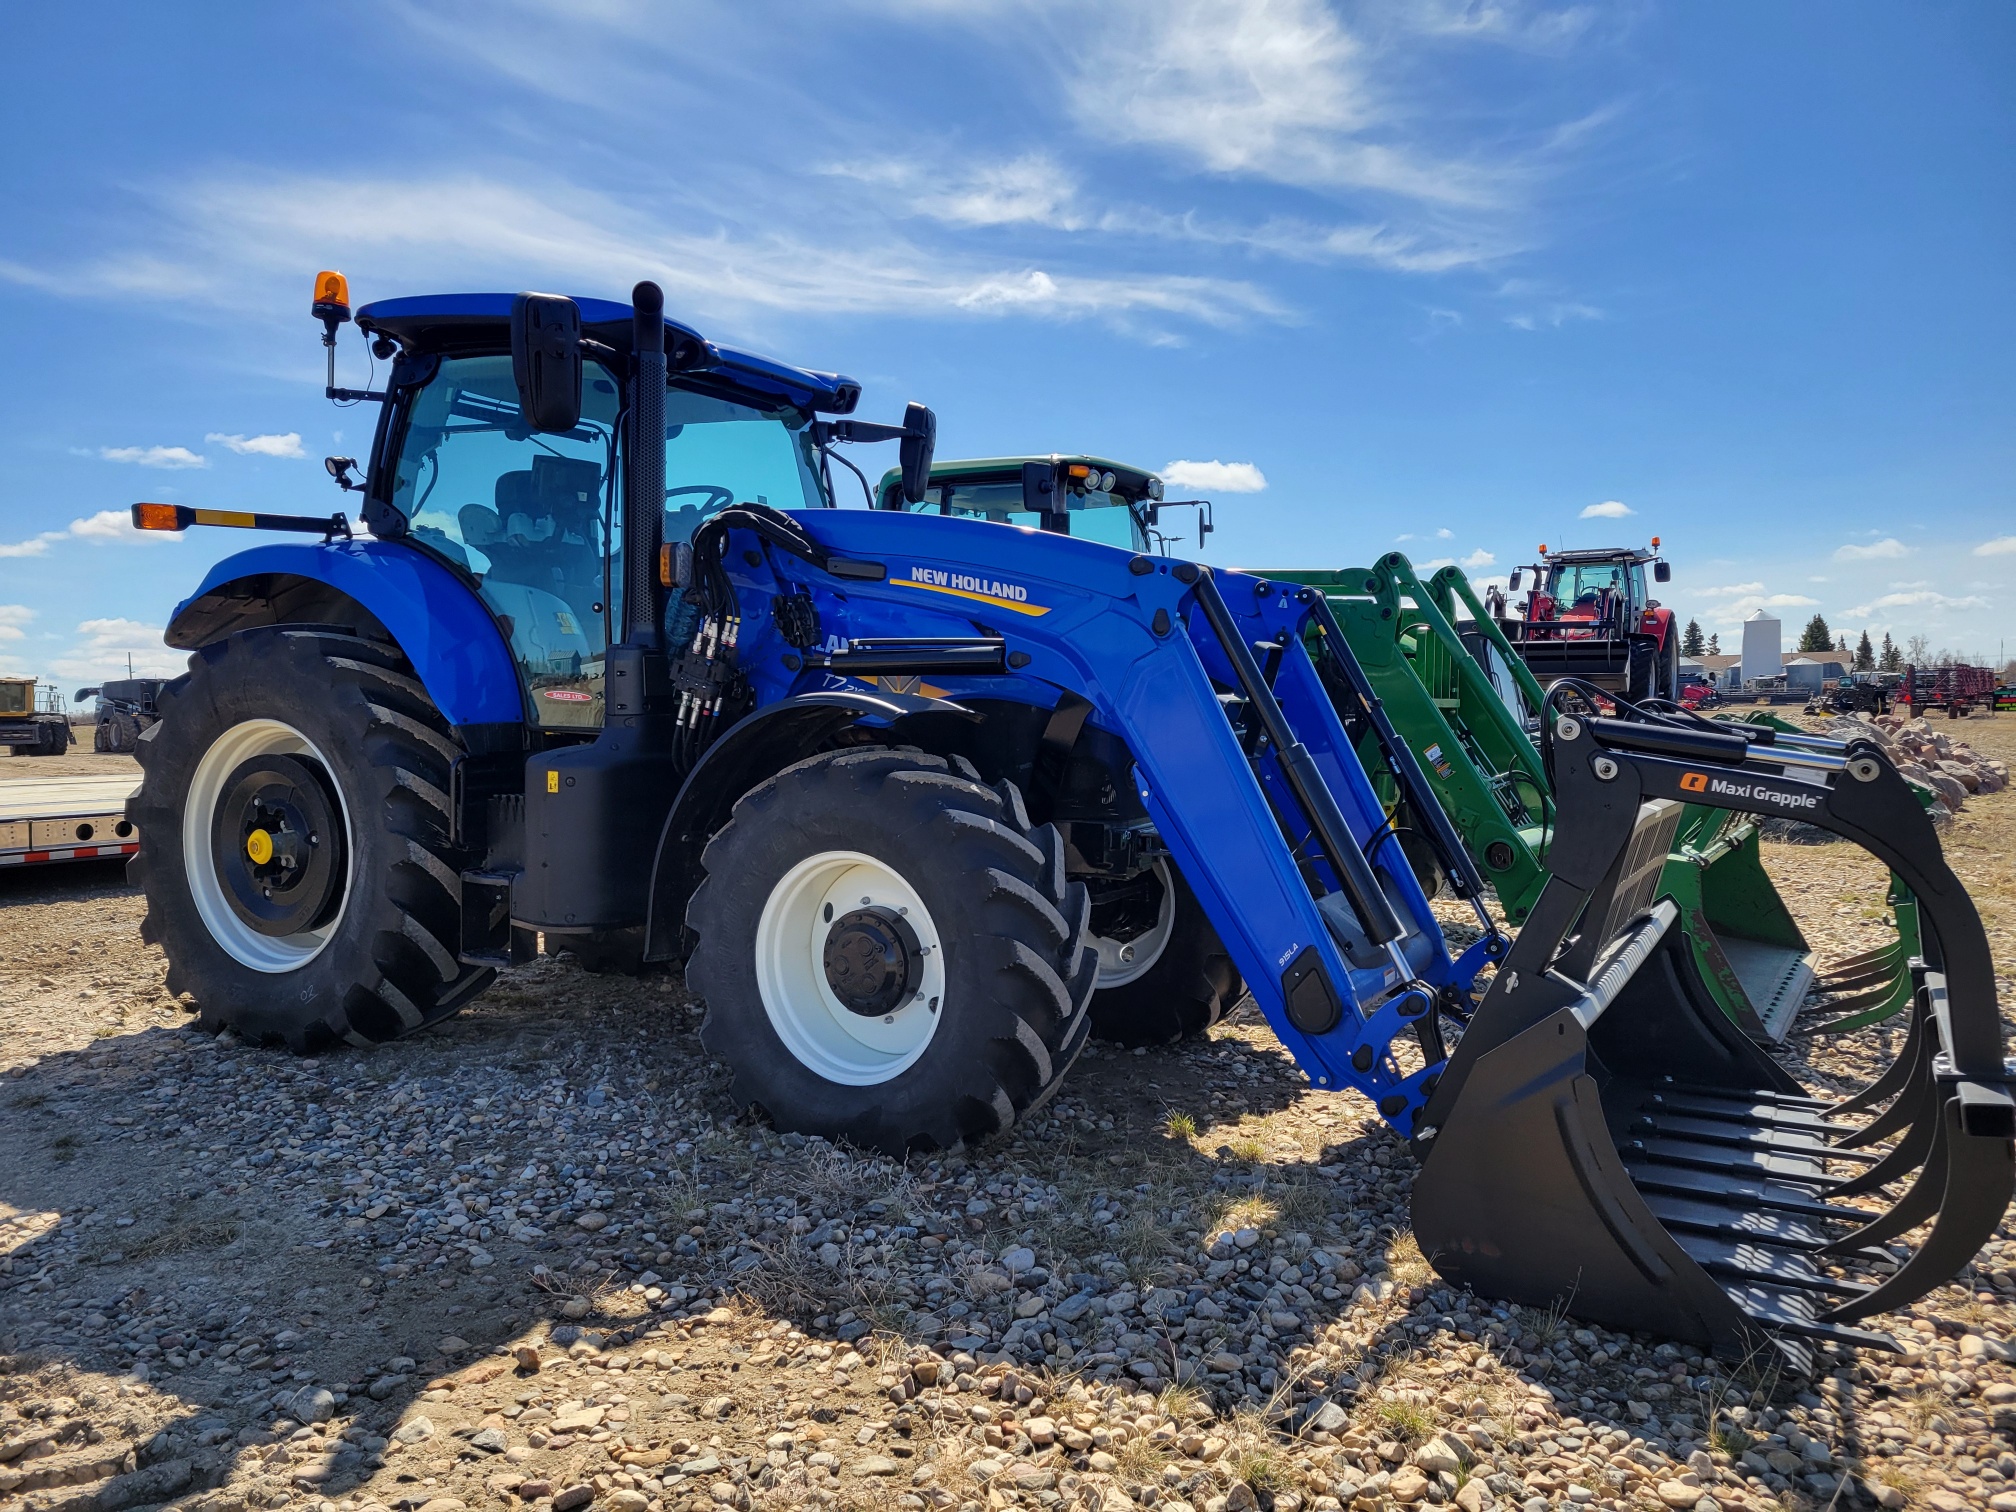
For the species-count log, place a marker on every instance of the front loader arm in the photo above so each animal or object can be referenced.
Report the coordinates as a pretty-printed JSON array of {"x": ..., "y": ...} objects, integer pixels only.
[{"x": 1248, "y": 814}]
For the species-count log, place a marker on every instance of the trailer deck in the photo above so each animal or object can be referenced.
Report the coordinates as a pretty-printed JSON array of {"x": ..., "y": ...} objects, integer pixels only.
[{"x": 44, "y": 819}]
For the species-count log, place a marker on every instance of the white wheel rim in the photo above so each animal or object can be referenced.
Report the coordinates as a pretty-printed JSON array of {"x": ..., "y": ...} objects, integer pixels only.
[
  {"x": 852, "y": 1049},
  {"x": 243, "y": 943},
  {"x": 1124, "y": 961}
]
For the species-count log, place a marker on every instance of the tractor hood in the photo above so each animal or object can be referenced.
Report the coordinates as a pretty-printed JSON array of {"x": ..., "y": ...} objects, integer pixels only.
[{"x": 447, "y": 323}]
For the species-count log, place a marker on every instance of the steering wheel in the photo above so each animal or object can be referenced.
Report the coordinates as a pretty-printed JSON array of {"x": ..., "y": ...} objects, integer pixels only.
[{"x": 717, "y": 496}]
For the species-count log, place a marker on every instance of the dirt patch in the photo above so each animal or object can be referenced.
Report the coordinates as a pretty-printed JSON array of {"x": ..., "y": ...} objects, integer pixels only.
[{"x": 534, "y": 1258}]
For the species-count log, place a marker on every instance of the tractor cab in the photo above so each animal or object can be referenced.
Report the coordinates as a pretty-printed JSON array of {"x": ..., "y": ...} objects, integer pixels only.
[
  {"x": 534, "y": 517},
  {"x": 1590, "y": 615},
  {"x": 1087, "y": 497},
  {"x": 1584, "y": 593}
]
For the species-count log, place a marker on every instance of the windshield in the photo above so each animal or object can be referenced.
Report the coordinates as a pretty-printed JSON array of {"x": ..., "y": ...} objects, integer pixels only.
[
  {"x": 1093, "y": 515},
  {"x": 533, "y": 517},
  {"x": 1585, "y": 583},
  {"x": 719, "y": 452}
]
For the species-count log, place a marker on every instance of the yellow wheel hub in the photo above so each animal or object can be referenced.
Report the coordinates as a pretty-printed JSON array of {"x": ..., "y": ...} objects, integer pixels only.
[{"x": 259, "y": 846}]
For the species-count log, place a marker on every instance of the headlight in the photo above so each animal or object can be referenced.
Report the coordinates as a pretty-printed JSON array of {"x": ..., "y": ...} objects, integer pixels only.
[
  {"x": 1155, "y": 489},
  {"x": 1106, "y": 482}
]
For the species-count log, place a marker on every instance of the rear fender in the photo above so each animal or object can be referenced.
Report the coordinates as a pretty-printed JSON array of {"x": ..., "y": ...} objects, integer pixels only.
[
  {"x": 381, "y": 589},
  {"x": 762, "y": 745}
]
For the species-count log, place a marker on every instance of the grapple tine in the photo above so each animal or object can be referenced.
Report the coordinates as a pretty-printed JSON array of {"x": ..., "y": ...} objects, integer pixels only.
[
  {"x": 1909, "y": 1105},
  {"x": 1615, "y": 1148},
  {"x": 1898, "y": 1076},
  {"x": 1909, "y": 1152},
  {"x": 1980, "y": 1172},
  {"x": 1892, "y": 1002},
  {"x": 1916, "y": 1205}
]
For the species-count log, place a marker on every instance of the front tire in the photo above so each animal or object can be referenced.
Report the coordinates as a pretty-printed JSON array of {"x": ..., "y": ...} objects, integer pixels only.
[
  {"x": 890, "y": 953},
  {"x": 1164, "y": 975},
  {"x": 294, "y": 850}
]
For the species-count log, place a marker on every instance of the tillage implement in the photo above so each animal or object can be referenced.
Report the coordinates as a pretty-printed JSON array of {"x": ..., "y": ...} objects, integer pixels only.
[{"x": 611, "y": 672}]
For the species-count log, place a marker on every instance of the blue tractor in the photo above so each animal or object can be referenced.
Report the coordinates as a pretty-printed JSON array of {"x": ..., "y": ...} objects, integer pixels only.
[{"x": 613, "y": 672}]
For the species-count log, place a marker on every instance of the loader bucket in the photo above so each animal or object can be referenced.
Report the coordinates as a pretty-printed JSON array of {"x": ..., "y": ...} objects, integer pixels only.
[
  {"x": 1744, "y": 940},
  {"x": 1604, "y": 1139}
]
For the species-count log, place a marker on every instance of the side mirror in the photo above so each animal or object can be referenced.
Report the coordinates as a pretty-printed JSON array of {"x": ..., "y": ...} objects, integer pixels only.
[
  {"x": 1039, "y": 487},
  {"x": 1662, "y": 572},
  {"x": 546, "y": 360},
  {"x": 1513, "y": 585},
  {"x": 920, "y": 439}
]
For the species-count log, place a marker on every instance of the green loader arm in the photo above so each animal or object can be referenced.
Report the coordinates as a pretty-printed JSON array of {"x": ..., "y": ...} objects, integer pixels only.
[{"x": 1437, "y": 682}]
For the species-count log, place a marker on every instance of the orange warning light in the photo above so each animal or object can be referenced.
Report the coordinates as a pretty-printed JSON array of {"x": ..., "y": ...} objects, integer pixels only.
[
  {"x": 162, "y": 517},
  {"x": 332, "y": 296}
]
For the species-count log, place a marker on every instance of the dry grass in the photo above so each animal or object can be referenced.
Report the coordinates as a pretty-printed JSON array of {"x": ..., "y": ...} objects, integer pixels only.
[
  {"x": 178, "y": 1238},
  {"x": 1408, "y": 1265},
  {"x": 1180, "y": 1126}
]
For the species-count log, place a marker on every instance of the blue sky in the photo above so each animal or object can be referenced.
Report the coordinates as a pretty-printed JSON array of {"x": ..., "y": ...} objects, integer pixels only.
[{"x": 1449, "y": 276}]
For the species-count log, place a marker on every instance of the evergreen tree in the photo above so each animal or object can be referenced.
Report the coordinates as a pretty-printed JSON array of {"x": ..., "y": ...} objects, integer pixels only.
[
  {"x": 1891, "y": 659},
  {"x": 1816, "y": 636},
  {"x": 1691, "y": 639},
  {"x": 1840, "y": 643},
  {"x": 1865, "y": 655},
  {"x": 1715, "y": 645}
]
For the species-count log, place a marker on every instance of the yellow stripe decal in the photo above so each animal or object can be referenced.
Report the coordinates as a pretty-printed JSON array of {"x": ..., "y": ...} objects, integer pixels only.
[
  {"x": 224, "y": 517},
  {"x": 1034, "y": 611}
]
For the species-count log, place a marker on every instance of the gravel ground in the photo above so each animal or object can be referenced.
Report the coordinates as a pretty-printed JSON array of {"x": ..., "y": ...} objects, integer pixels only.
[{"x": 534, "y": 1259}]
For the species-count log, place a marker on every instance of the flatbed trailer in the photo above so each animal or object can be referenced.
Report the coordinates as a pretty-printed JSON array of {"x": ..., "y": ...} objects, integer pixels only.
[{"x": 46, "y": 819}]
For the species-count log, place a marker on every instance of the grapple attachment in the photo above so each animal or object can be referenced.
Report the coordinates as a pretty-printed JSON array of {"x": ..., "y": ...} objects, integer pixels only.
[{"x": 1605, "y": 1138}]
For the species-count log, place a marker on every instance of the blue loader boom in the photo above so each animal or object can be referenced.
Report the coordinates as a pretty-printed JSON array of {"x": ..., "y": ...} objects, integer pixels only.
[{"x": 911, "y": 796}]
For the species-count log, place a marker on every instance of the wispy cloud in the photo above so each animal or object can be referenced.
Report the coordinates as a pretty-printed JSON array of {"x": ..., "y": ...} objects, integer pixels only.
[
  {"x": 1609, "y": 509},
  {"x": 1919, "y": 598},
  {"x": 1479, "y": 558},
  {"x": 169, "y": 457},
  {"x": 1889, "y": 546},
  {"x": 105, "y": 526},
  {"x": 396, "y": 233},
  {"x": 288, "y": 445},
  {"x": 1215, "y": 476},
  {"x": 102, "y": 646},
  {"x": 14, "y": 620},
  {"x": 1035, "y": 190},
  {"x": 2000, "y": 546},
  {"x": 1730, "y": 590},
  {"x": 1271, "y": 89},
  {"x": 1553, "y": 316}
]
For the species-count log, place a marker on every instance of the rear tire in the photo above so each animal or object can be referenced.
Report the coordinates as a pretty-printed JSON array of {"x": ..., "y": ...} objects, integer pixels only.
[
  {"x": 1641, "y": 671},
  {"x": 369, "y": 957},
  {"x": 1182, "y": 981},
  {"x": 966, "y": 959}
]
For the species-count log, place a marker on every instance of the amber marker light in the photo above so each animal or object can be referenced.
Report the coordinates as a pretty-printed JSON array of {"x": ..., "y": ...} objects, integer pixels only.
[{"x": 163, "y": 517}]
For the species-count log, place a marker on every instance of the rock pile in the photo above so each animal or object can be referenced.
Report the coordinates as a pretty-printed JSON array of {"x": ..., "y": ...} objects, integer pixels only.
[{"x": 1951, "y": 768}]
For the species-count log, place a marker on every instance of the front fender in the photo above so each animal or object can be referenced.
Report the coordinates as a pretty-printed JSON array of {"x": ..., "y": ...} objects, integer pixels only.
[
  {"x": 438, "y": 621},
  {"x": 755, "y": 750}
]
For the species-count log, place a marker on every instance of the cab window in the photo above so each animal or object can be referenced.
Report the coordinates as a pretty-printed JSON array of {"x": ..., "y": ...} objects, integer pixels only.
[{"x": 528, "y": 515}]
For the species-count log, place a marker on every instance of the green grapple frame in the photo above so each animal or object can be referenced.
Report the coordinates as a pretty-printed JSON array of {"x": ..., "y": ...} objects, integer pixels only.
[{"x": 1456, "y": 696}]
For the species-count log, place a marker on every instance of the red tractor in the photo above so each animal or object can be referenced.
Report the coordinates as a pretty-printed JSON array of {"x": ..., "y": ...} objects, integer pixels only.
[{"x": 1589, "y": 616}]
